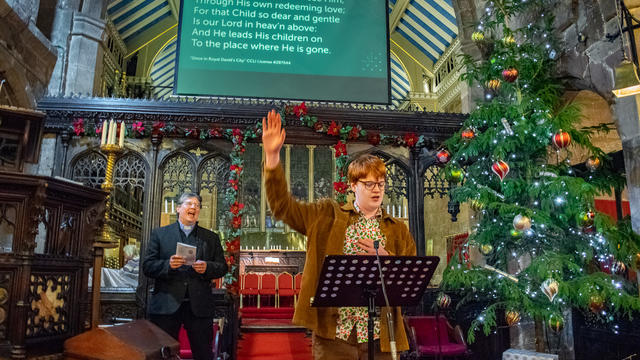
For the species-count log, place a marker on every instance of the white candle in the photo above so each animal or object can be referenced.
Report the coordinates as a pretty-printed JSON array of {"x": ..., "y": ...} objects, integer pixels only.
[
  {"x": 103, "y": 139},
  {"x": 387, "y": 208},
  {"x": 114, "y": 138},
  {"x": 166, "y": 206},
  {"x": 173, "y": 209},
  {"x": 405, "y": 211},
  {"x": 399, "y": 210},
  {"x": 108, "y": 130},
  {"x": 121, "y": 142},
  {"x": 393, "y": 210}
]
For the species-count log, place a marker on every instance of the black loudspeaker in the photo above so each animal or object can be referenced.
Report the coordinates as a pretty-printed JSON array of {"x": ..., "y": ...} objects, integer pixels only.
[{"x": 137, "y": 340}]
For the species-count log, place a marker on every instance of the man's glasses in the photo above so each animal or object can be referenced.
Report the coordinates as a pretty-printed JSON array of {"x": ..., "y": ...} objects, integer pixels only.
[
  {"x": 189, "y": 204},
  {"x": 369, "y": 185}
]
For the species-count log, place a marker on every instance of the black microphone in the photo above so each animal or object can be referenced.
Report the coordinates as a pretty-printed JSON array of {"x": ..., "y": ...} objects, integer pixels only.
[{"x": 392, "y": 335}]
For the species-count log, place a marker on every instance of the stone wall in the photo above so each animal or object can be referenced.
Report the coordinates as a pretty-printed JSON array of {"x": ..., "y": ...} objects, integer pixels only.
[{"x": 26, "y": 55}]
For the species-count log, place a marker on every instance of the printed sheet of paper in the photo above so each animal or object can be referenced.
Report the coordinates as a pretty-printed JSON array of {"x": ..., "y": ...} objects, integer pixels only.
[{"x": 186, "y": 251}]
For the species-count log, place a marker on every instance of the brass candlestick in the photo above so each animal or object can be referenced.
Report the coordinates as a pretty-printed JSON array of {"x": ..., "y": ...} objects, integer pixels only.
[
  {"x": 112, "y": 150},
  {"x": 107, "y": 240}
]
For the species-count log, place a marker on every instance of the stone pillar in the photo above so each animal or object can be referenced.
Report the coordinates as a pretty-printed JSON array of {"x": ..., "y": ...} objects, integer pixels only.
[
  {"x": 625, "y": 111},
  {"x": 62, "y": 24},
  {"x": 84, "y": 55},
  {"x": 78, "y": 35}
]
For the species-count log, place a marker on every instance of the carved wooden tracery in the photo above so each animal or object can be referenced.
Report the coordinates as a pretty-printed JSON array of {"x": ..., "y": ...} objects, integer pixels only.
[
  {"x": 48, "y": 299},
  {"x": 178, "y": 174},
  {"x": 90, "y": 169},
  {"x": 44, "y": 266}
]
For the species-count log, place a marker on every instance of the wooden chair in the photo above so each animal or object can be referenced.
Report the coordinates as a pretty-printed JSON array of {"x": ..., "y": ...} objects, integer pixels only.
[
  {"x": 285, "y": 287},
  {"x": 217, "y": 283},
  {"x": 434, "y": 337},
  {"x": 297, "y": 282},
  {"x": 268, "y": 286},
  {"x": 250, "y": 283}
]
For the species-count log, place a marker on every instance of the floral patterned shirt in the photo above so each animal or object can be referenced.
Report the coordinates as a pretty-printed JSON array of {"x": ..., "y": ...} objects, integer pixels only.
[{"x": 348, "y": 317}]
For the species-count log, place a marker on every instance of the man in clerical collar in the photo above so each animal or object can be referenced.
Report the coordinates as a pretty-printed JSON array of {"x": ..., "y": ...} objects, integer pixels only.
[{"x": 182, "y": 293}]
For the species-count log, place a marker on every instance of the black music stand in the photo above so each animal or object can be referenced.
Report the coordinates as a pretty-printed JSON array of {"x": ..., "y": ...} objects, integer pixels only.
[{"x": 354, "y": 280}]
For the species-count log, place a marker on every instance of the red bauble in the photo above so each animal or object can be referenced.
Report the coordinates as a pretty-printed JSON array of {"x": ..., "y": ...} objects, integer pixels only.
[
  {"x": 467, "y": 134},
  {"x": 500, "y": 168},
  {"x": 510, "y": 74},
  {"x": 443, "y": 156},
  {"x": 561, "y": 139}
]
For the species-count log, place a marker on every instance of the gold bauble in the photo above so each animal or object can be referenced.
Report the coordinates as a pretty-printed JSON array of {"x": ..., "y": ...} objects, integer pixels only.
[
  {"x": 592, "y": 163},
  {"x": 596, "y": 303},
  {"x": 477, "y": 36},
  {"x": 509, "y": 40},
  {"x": 550, "y": 288},
  {"x": 486, "y": 249},
  {"x": 476, "y": 205},
  {"x": 493, "y": 84},
  {"x": 521, "y": 222},
  {"x": 512, "y": 317},
  {"x": 556, "y": 322}
]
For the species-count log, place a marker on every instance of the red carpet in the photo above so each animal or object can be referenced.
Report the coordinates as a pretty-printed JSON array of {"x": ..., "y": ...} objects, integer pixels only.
[
  {"x": 266, "y": 313},
  {"x": 266, "y": 322},
  {"x": 274, "y": 346}
]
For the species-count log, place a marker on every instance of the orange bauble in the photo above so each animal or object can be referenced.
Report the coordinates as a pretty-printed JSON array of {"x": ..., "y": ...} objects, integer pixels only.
[{"x": 467, "y": 134}]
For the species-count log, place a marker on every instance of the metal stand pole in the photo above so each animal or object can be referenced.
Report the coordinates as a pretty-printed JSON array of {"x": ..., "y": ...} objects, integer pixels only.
[{"x": 370, "y": 323}]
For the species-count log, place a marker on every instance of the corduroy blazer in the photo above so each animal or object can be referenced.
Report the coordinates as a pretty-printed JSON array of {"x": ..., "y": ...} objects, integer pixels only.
[{"x": 325, "y": 223}]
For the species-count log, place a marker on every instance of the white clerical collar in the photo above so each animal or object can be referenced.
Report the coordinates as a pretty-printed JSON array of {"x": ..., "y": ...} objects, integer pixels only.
[{"x": 186, "y": 228}]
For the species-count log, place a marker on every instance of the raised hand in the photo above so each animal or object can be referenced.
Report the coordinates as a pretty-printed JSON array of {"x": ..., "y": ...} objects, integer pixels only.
[{"x": 273, "y": 136}]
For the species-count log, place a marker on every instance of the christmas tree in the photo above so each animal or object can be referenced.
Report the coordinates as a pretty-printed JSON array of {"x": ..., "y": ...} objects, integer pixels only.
[{"x": 547, "y": 249}]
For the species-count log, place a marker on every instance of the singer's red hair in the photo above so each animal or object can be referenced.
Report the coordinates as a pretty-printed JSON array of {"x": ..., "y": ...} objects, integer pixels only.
[{"x": 363, "y": 166}]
